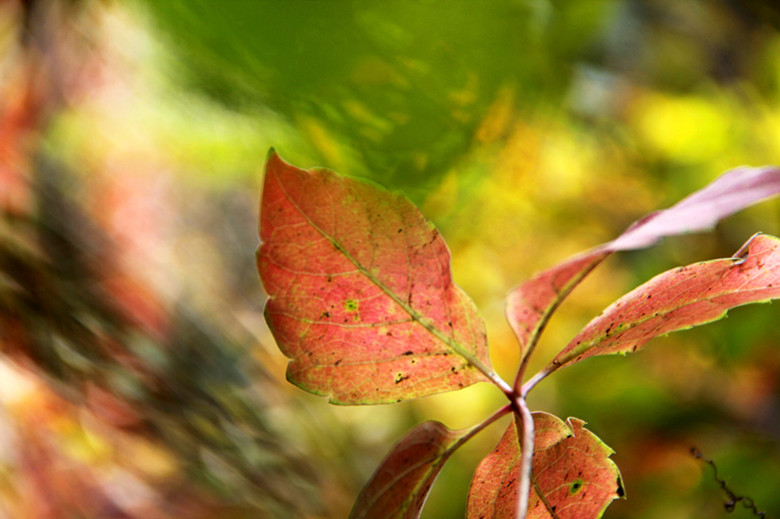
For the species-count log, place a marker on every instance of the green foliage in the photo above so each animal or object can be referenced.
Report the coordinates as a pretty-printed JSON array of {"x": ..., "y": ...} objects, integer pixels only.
[{"x": 400, "y": 92}]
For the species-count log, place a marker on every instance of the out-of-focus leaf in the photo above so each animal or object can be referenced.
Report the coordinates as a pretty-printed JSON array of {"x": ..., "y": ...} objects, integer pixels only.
[
  {"x": 361, "y": 295},
  {"x": 572, "y": 475},
  {"x": 530, "y": 304},
  {"x": 401, "y": 484},
  {"x": 681, "y": 298},
  {"x": 396, "y": 93}
]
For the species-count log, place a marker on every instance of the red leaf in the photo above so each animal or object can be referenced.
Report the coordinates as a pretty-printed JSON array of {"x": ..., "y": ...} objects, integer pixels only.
[
  {"x": 361, "y": 295},
  {"x": 530, "y": 304},
  {"x": 401, "y": 484},
  {"x": 681, "y": 298},
  {"x": 572, "y": 475}
]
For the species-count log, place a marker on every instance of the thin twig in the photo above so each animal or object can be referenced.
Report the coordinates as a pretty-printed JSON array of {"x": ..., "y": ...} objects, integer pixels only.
[{"x": 733, "y": 498}]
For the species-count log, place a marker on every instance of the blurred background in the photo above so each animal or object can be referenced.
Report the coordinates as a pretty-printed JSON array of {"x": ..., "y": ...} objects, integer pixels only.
[{"x": 137, "y": 376}]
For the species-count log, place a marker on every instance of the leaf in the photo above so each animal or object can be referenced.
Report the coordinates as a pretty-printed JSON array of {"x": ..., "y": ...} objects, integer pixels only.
[
  {"x": 360, "y": 292},
  {"x": 402, "y": 482},
  {"x": 572, "y": 475},
  {"x": 681, "y": 298},
  {"x": 530, "y": 304}
]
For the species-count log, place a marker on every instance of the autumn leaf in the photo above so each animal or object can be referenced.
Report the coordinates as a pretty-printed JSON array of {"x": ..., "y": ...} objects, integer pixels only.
[
  {"x": 402, "y": 482},
  {"x": 361, "y": 298},
  {"x": 572, "y": 475},
  {"x": 530, "y": 304},
  {"x": 680, "y": 298}
]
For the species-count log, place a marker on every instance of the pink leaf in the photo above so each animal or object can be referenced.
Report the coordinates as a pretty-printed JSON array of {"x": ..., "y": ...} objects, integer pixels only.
[
  {"x": 572, "y": 475},
  {"x": 360, "y": 292},
  {"x": 681, "y": 298},
  {"x": 402, "y": 482},
  {"x": 530, "y": 304}
]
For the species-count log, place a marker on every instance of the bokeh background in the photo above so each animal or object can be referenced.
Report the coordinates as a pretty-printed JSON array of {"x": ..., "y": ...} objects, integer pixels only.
[{"x": 137, "y": 376}]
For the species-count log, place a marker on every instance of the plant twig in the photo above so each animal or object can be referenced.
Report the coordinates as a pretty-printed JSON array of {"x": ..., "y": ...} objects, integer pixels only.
[{"x": 733, "y": 498}]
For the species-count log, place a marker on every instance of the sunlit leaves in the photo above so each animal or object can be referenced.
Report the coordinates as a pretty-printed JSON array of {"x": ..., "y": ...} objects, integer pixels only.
[
  {"x": 530, "y": 304},
  {"x": 681, "y": 298},
  {"x": 361, "y": 296},
  {"x": 362, "y": 301},
  {"x": 572, "y": 475},
  {"x": 401, "y": 484}
]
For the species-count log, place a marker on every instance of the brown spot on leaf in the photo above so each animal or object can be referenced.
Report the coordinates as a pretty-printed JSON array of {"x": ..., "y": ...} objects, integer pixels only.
[{"x": 400, "y": 377}]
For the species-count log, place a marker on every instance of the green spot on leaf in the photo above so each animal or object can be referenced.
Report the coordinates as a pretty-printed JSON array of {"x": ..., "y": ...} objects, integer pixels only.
[
  {"x": 351, "y": 305},
  {"x": 575, "y": 487}
]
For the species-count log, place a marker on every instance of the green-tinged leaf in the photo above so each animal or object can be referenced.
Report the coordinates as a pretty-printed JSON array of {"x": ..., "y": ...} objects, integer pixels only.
[
  {"x": 681, "y": 298},
  {"x": 402, "y": 482},
  {"x": 361, "y": 295},
  {"x": 531, "y": 303},
  {"x": 572, "y": 475}
]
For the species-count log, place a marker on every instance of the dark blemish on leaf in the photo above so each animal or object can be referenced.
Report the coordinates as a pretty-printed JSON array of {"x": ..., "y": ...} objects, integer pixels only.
[
  {"x": 460, "y": 384},
  {"x": 553, "y": 507},
  {"x": 330, "y": 279},
  {"x": 389, "y": 334},
  {"x": 337, "y": 362},
  {"x": 400, "y": 231},
  {"x": 414, "y": 361},
  {"x": 453, "y": 369},
  {"x": 449, "y": 323},
  {"x": 325, "y": 314},
  {"x": 408, "y": 352},
  {"x": 649, "y": 296},
  {"x": 351, "y": 305},
  {"x": 575, "y": 487},
  {"x": 400, "y": 377}
]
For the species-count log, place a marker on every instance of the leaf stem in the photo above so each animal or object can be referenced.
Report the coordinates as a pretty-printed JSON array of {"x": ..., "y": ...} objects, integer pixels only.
[
  {"x": 541, "y": 375},
  {"x": 526, "y": 430},
  {"x": 551, "y": 308},
  {"x": 477, "y": 428}
]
